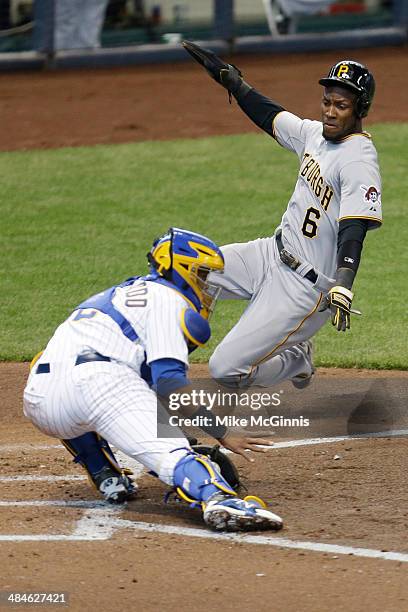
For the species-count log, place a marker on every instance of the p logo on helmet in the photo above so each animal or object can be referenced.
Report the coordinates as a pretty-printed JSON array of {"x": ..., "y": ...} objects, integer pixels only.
[
  {"x": 355, "y": 77},
  {"x": 342, "y": 72}
]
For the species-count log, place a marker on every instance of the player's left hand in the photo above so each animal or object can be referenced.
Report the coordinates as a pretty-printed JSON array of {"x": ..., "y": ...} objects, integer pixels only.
[
  {"x": 339, "y": 301},
  {"x": 227, "y": 75},
  {"x": 241, "y": 444}
]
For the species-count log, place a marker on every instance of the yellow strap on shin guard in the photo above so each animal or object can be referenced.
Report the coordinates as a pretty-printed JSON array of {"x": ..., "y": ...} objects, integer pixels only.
[{"x": 190, "y": 480}]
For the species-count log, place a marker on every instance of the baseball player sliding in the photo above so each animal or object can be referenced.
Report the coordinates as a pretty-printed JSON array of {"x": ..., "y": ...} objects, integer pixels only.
[
  {"x": 95, "y": 384},
  {"x": 305, "y": 272}
]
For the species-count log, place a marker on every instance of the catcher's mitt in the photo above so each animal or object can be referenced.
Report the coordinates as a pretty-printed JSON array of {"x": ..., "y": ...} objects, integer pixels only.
[
  {"x": 227, "y": 468},
  {"x": 227, "y": 75}
]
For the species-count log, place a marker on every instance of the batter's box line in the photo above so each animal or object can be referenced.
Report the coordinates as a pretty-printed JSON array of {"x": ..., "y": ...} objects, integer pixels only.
[
  {"x": 100, "y": 522},
  {"x": 35, "y": 478},
  {"x": 392, "y": 433}
]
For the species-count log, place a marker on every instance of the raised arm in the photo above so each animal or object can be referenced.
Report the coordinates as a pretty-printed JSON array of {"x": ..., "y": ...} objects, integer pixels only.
[{"x": 260, "y": 109}]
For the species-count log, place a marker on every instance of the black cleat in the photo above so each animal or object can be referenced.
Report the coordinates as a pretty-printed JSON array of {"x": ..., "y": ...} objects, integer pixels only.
[{"x": 116, "y": 488}]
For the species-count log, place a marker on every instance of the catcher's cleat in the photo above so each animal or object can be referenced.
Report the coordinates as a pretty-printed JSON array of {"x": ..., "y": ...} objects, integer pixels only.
[
  {"x": 115, "y": 488},
  {"x": 303, "y": 380},
  {"x": 226, "y": 513}
]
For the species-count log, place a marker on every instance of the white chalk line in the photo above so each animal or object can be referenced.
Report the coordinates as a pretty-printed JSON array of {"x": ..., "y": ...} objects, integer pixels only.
[
  {"x": 28, "y": 478},
  {"x": 80, "y": 503},
  {"x": 101, "y": 521},
  {"x": 392, "y": 433},
  {"x": 137, "y": 468},
  {"x": 266, "y": 540},
  {"x": 332, "y": 440},
  {"x": 97, "y": 524},
  {"x": 93, "y": 525},
  {"x": 21, "y": 446}
]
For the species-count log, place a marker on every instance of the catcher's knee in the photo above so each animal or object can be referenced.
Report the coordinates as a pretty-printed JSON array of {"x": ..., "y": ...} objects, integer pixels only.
[{"x": 196, "y": 478}]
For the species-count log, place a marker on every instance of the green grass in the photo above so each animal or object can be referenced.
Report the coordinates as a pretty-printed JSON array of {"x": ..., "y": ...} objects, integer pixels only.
[{"x": 75, "y": 221}]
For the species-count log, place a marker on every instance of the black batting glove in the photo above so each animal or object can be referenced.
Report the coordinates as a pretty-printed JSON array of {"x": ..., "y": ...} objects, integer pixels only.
[
  {"x": 231, "y": 78},
  {"x": 227, "y": 75}
]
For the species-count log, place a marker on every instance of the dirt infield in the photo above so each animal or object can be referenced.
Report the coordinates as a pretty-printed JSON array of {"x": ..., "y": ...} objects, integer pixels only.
[
  {"x": 41, "y": 110},
  {"x": 343, "y": 495},
  {"x": 344, "y": 500}
]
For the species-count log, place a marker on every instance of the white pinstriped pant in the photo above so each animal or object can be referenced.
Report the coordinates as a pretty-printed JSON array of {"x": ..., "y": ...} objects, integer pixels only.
[{"x": 108, "y": 398}]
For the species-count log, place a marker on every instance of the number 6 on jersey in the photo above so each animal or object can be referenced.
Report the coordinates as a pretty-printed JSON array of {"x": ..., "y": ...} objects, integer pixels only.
[{"x": 309, "y": 227}]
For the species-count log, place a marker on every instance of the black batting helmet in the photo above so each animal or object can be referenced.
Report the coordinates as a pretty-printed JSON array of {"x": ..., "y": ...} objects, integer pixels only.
[{"x": 357, "y": 78}]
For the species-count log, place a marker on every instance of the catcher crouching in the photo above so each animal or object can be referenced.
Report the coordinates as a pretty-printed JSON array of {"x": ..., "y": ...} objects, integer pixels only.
[{"x": 97, "y": 383}]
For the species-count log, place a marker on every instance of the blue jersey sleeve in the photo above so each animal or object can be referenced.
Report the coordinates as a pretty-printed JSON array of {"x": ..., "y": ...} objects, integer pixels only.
[{"x": 168, "y": 375}]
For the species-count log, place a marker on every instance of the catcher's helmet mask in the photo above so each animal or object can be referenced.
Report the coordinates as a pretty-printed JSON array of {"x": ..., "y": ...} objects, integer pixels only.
[
  {"x": 185, "y": 259},
  {"x": 355, "y": 77}
]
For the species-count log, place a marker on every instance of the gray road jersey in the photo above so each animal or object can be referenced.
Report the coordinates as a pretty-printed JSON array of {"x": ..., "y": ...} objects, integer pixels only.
[{"x": 335, "y": 181}]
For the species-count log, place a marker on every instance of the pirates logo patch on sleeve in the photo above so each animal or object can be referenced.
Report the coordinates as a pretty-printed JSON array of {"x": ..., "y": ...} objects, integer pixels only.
[{"x": 371, "y": 196}]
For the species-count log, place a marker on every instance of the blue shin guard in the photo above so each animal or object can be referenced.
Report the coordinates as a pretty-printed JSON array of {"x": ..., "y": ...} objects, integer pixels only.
[
  {"x": 94, "y": 454},
  {"x": 197, "y": 478}
]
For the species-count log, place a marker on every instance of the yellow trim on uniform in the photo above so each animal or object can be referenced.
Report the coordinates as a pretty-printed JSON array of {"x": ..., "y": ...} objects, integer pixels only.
[
  {"x": 75, "y": 455},
  {"x": 71, "y": 450},
  {"x": 113, "y": 463},
  {"x": 35, "y": 359},
  {"x": 257, "y": 363},
  {"x": 361, "y": 217},
  {"x": 186, "y": 332},
  {"x": 365, "y": 134}
]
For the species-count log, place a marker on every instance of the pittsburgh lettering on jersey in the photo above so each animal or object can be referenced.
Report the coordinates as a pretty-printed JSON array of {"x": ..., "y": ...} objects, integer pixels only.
[{"x": 310, "y": 170}]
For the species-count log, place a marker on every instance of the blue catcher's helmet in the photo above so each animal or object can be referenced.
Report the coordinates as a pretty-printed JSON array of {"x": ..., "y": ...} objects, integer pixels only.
[{"x": 185, "y": 259}]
